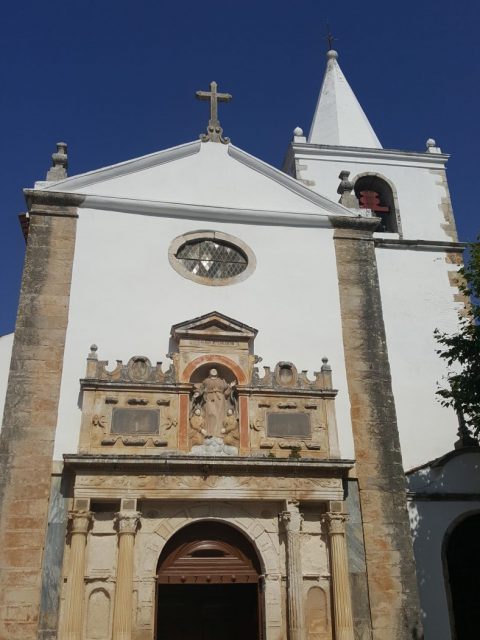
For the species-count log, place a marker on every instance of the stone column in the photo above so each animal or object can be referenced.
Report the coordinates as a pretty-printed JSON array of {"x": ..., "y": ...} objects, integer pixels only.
[
  {"x": 391, "y": 573},
  {"x": 73, "y": 618},
  {"x": 342, "y": 601},
  {"x": 292, "y": 522},
  {"x": 127, "y": 523},
  {"x": 31, "y": 407}
]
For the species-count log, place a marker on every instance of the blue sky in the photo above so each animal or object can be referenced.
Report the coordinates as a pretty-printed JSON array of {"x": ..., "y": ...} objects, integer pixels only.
[{"x": 116, "y": 80}]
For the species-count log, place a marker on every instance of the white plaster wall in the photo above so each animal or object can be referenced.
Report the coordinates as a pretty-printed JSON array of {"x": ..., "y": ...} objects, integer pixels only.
[
  {"x": 6, "y": 344},
  {"x": 417, "y": 298},
  {"x": 125, "y": 296},
  {"x": 418, "y": 190}
]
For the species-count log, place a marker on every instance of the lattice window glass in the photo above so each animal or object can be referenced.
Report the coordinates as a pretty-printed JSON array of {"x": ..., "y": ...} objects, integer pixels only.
[{"x": 213, "y": 259}]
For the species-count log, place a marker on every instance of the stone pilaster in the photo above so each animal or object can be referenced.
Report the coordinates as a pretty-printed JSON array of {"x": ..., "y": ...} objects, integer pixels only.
[
  {"x": 80, "y": 522},
  {"x": 392, "y": 585},
  {"x": 292, "y": 522},
  {"x": 342, "y": 601},
  {"x": 31, "y": 403},
  {"x": 127, "y": 524}
]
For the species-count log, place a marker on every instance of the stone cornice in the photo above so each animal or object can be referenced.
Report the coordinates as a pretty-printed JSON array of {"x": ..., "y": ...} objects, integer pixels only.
[
  {"x": 207, "y": 213},
  {"x": 395, "y": 156},
  {"x": 287, "y": 181},
  {"x": 423, "y": 245},
  {"x": 125, "y": 168},
  {"x": 207, "y": 465},
  {"x": 355, "y": 223},
  {"x": 38, "y": 200}
]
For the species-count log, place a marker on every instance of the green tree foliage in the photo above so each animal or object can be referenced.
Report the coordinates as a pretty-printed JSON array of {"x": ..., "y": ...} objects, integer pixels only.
[{"x": 461, "y": 351}]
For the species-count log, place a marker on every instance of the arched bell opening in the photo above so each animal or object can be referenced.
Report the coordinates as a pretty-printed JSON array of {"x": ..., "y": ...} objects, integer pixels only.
[
  {"x": 209, "y": 585},
  {"x": 374, "y": 192},
  {"x": 461, "y": 552}
]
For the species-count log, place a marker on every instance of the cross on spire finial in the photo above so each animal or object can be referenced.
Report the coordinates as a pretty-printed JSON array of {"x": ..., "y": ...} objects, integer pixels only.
[
  {"x": 329, "y": 37},
  {"x": 214, "y": 130}
]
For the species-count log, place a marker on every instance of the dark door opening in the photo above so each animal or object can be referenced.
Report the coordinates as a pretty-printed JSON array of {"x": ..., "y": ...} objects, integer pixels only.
[
  {"x": 463, "y": 560},
  {"x": 207, "y": 612},
  {"x": 209, "y": 586}
]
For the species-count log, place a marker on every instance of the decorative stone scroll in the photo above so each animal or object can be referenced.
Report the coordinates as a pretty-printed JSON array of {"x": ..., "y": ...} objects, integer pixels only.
[
  {"x": 286, "y": 376},
  {"x": 138, "y": 369}
]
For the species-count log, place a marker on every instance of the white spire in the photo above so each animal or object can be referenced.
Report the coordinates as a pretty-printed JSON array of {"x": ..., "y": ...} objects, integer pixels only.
[{"x": 339, "y": 119}]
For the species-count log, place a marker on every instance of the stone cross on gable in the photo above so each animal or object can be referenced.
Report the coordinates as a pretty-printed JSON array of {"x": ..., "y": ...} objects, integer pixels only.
[{"x": 214, "y": 130}]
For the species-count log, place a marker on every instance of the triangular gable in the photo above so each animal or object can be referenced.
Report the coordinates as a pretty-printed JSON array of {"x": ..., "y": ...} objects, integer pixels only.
[
  {"x": 198, "y": 174},
  {"x": 213, "y": 324}
]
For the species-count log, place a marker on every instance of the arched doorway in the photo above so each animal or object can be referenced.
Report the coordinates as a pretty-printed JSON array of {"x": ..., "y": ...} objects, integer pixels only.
[
  {"x": 463, "y": 565},
  {"x": 209, "y": 585}
]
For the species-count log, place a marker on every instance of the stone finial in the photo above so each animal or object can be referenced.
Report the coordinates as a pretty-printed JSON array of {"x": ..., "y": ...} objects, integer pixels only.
[
  {"x": 298, "y": 135},
  {"x": 92, "y": 362},
  {"x": 332, "y": 54},
  {"x": 345, "y": 189},
  {"x": 59, "y": 163},
  {"x": 432, "y": 146},
  {"x": 326, "y": 374}
]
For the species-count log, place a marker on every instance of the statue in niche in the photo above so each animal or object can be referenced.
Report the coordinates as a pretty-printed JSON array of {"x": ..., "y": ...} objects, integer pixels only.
[
  {"x": 197, "y": 424},
  {"x": 215, "y": 397},
  {"x": 230, "y": 429}
]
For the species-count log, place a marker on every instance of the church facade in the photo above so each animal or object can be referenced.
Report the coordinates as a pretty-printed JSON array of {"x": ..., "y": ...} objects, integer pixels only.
[{"x": 219, "y": 374}]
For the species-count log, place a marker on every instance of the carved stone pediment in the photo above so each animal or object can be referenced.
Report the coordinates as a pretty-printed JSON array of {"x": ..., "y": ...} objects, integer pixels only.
[
  {"x": 213, "y": 323},
  {"x": 213, "y": 338},
  {"x": 215, "y": 328}
]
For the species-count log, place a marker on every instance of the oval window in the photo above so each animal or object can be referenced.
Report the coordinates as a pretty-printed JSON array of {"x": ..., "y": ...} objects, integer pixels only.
[{"x": 211, "y": 258}]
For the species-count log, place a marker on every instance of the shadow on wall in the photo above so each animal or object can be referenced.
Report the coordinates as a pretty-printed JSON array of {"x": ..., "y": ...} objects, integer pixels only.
[{"x": 442, "y": 494}]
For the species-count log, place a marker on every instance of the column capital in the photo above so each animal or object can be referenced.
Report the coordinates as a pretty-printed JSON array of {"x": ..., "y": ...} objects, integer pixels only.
[
  {"x": 127, "y": 522},
  {"x": 359, "y": 224},
  {"x": 291, "y": 518},
  {"x": 335, "y": 522},
  {"x": 80, "y": 521}
]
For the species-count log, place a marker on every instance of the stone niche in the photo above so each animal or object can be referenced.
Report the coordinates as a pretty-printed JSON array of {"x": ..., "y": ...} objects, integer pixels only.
[{"x": 210, "y": 401}]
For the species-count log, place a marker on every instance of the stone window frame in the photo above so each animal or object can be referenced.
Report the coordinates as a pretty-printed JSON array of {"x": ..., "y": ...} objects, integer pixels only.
[
  {"x": 215, "y": 236},
  {"x": 380, "y": 176}
]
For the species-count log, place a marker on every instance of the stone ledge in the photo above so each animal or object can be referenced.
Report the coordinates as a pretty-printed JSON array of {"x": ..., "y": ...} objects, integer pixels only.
[
  {"x": 168, "y": 462},
  {"x": 427, "y": 245}
]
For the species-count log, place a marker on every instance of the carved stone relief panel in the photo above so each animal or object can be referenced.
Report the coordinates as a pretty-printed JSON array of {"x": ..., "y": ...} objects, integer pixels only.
[
  {"x": 289, "y": 426},
  {"x": 128, "y": 420},
  {"x": 210, "y": 402}
]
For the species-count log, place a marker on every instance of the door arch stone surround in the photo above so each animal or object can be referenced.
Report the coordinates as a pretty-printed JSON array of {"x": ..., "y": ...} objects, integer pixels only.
[{"x": 265, "y": 544}]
